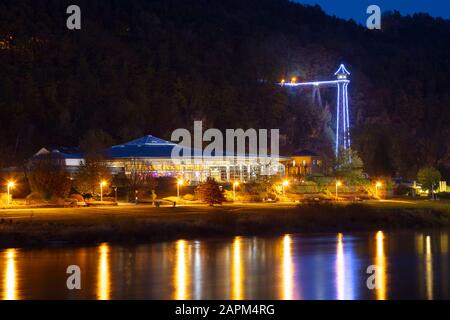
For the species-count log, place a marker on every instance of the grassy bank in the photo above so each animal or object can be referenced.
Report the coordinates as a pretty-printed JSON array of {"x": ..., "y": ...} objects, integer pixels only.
[{"x": 134, "y": 224}]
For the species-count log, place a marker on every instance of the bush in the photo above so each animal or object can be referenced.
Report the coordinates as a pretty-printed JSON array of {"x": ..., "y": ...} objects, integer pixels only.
[
  {"x": 77, "y": 197},
  {"x": 188, "y": 197},
  {"x": 35, "y": 198},
  {"x": 210, "y": 192},
  {"x": 57, "y": 200}
]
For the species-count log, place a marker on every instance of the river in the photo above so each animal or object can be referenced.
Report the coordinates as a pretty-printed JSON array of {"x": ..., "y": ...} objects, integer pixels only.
[{"x": 405, "y": 265}]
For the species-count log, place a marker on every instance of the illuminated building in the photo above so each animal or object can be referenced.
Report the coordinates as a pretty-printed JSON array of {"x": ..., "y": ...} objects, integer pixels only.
[{"x": 150, "y": 155}]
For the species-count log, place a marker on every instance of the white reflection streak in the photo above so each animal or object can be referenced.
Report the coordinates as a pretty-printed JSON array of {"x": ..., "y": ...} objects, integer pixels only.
[
  {"x": 198, "y": 271},
  {"x": 429, "y": 268},
  {"x": 287, "y": 268},
  {"x": 340, "y": 268},
  {"x": 380, "y": 261}
]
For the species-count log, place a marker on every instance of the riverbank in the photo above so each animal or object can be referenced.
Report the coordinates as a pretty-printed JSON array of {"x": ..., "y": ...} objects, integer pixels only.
[{"x": 136, "y": 224}]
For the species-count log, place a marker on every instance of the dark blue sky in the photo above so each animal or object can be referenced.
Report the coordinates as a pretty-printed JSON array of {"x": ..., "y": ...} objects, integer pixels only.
[{"x": 356, "y": 9}]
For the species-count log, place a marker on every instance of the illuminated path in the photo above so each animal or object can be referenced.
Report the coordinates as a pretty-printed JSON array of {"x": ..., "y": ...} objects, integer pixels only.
[{"x": 342, "y": 139}]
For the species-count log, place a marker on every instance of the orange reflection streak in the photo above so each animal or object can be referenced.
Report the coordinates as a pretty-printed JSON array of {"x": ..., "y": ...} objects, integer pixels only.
[
  {"x": 237, "y": 276},
  {"x": 104, "y": 284},
  {"x": 340, "y": 268},
  {"x": 287, "y": 268},
  {"x": 181, "y": 276},
  {"x": 380, "y": 261},
  {"x": 10, "y": 277},
  {"x": 429, "y": 268}
]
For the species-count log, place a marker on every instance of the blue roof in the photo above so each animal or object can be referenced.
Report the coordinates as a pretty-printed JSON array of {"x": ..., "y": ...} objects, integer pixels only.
[
  {"x": 145, "y": 147},
  {"x": 150, "y": 147},
  {"x": 148, "y": 140}
]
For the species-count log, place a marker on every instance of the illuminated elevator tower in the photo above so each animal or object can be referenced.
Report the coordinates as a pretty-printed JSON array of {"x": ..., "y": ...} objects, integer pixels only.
[
  {"x": 342, "y": 136},
  {"x": 342, "y": 114}
]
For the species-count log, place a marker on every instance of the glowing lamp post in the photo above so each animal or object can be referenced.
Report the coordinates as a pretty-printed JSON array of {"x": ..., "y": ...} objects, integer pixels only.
[
  {"x": 102, "y": 184},
  {"x": 235, "y": 184},
  {"x": 11, "y": 185},
  {"x": 284, "y": 185},
  {"x": 377, "y": 185},
  {"x": 180, "y": 182},
  {"x": 338, "y": 184}
]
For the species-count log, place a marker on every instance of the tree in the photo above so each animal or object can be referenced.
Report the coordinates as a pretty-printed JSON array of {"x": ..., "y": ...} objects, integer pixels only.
[
  {"x": 89, "y": 176},
  {"x": 48, "y": 176},
  {"x": 140, "y": 176},
  {"x": 349, "y": 166},
  {"x": 210, "y": 192},
  {"x": 429, "y": 177}
]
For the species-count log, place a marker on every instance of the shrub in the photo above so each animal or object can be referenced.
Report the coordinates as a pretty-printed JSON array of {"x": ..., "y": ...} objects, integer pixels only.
[
  {"x": 210, "y": 192},
  {"x": 35, "y": 198},
  {"x": 188, "y": 197},
  {"x": 77, "y": 197},
  {"x": 57, "y": 200}
]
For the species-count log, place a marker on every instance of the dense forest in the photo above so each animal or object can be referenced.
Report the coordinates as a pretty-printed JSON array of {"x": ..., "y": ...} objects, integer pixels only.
[{"x": 150, "y": 66}]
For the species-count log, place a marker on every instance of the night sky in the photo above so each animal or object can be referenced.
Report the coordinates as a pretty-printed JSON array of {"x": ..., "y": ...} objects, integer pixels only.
[{"x": 356, "y": 9}]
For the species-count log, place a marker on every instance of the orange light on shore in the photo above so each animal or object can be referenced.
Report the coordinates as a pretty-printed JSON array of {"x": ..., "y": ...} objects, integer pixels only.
[
  {"x": 293, "y": 79},
  {"x": 377, "y": 185},
  {"x": 284, "y": 184},
  {"x": 235, "y": 184},
  {"x": 103, "y": 183},
  {"x": 338, "y": 184},
  {"x": 180, "y": 182},
  {"x": 10, "y": 185}
]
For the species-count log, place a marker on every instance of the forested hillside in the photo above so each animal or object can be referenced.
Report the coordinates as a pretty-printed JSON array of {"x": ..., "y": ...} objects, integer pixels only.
[{"x": 150, "y": 66}]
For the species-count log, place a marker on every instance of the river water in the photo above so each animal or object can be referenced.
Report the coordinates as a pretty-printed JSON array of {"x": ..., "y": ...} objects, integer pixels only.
[{"x": 405, "y": 265}]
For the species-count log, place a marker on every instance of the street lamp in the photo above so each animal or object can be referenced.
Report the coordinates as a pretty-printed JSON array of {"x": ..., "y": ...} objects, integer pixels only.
[
  {"x": 338, "y": 184},
  {"x": 102, "y": 184},
  {"x": 377, "y": 185},
  {"x": 180, "y": 182},
  {"x": 235, "y": 184},
  {"x": 284, "y": 185},
  {"x": 11, "y": 185}
]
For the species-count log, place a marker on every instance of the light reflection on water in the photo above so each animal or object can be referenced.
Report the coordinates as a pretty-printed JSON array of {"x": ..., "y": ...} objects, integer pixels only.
[
  {"x": 409, "y": 265},
  {"x": 10, "y": 277},
  {"x": 380, "y": 262},
  {"x": 104, "y": 285}
]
